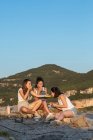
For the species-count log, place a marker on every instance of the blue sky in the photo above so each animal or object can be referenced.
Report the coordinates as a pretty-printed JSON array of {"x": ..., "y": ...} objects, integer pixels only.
[{"x": 38, "y": 32}]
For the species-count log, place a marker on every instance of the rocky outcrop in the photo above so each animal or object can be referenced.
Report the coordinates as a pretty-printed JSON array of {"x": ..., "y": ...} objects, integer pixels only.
[
  {"x": 83, "y": 103},
  {"x": 87, "y": 91},
  {"x": 70, "y": 92}
]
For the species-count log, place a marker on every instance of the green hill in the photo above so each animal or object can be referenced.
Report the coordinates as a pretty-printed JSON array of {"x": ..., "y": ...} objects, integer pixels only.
[{"x": 53, "y": 76}]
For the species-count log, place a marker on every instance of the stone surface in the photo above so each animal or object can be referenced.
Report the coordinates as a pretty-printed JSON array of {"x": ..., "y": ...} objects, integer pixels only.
[
  {"x": 79, "y": 121},
  {"x": 31, "y": 130},
  {"x": 3, "y": 138}
]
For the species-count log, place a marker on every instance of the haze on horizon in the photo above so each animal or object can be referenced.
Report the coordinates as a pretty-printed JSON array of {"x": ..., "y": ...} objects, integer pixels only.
[{"x": 35, "y": 33}]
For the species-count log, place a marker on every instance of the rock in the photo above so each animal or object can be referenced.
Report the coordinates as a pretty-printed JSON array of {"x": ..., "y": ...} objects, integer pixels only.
[
  {"x": 41, "y": 113},
  {"x": 79, "y": 121},
  {"x": 67, "y": 120},
  {"x": 31, "y": 130},
  {"x": 90, "y": 122},
  {"x": 3, "y": 138},
  {"x": 56, "y": 122},
  {"x": 11, "y": 138}
]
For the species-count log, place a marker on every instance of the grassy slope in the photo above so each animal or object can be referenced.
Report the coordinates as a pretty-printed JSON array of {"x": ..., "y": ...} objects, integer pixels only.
[{"x": 53, "y": 75}]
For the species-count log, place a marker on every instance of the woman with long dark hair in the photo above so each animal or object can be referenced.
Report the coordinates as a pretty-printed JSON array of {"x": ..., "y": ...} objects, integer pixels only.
[
  {"x": 67, "y": 109},
  {"x": 23, "y": 96},
  {"x": 40, "y": 89}
]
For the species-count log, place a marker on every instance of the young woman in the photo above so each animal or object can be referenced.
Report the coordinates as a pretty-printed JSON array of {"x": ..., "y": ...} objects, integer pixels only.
[
  {"x": 40, "y": 87},
  {"x": 64, "y": 104},
  {"x": 23, "y": 96},
  {"x": 39, "y": 90}
]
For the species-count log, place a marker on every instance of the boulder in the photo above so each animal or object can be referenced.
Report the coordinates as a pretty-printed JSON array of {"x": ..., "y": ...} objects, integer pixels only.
[{"x": 79, "y": 121}]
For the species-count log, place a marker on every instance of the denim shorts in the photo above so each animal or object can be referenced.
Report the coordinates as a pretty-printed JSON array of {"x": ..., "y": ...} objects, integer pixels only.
[{"x": 74, "y": 110}]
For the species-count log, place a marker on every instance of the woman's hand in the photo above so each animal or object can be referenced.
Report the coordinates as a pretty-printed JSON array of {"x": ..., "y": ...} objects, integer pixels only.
[
  {"x": 24, "y": 96},
  {"x": 29, "y": 89},
  {"x": 53, "y": 104}
]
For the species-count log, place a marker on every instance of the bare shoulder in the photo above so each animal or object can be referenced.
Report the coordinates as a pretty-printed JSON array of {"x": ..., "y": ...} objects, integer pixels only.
[
  {"x": 62, "y": 96},
  {"x": 20, "y": 90}
]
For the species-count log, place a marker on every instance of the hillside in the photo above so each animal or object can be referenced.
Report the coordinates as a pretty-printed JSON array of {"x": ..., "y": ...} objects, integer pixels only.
[{"x": 53, "y": 76}]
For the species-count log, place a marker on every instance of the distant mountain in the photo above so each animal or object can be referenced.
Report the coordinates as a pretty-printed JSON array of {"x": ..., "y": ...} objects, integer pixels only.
[
  {"x": 90, "y": 73},
  {"x": 53, "y": 75}
]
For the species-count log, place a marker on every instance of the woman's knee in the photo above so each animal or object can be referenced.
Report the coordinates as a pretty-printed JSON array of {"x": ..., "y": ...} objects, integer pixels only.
[
  {"x": 40, "y": 101},
  {"x": 23, "y": 109},
  {"x": 68, "y": 114}
]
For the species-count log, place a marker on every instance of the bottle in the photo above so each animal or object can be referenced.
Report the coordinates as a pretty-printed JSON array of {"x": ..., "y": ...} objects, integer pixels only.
[
  {"x": 8, "y": 109},
  {"x": 43, "y": 91}
]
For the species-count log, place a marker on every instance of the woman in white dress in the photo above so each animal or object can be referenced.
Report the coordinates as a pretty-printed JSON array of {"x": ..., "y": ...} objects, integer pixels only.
[{"x": 23, "y": 96}]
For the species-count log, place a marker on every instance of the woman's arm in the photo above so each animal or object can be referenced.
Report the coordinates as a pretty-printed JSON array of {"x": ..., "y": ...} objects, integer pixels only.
[
  {"x": 64, "y": 105},
  {"x": 34, "y": 94},
  {"x": 24, "y": 96}
]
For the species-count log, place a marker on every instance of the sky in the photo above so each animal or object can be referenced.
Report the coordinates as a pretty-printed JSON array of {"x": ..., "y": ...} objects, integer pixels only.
[{"x": 39, "y": 32}]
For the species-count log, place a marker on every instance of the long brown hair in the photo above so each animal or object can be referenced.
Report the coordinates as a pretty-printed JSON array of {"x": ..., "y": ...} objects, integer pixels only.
[
  {"x": 57, "y": 91},
  {"x": 24, "y": 85}
]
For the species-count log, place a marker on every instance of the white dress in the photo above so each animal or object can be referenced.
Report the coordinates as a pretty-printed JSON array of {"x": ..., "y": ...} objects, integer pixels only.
[
  {"x": 21, "y": 101},
  {"x": 69, "y": 104}
]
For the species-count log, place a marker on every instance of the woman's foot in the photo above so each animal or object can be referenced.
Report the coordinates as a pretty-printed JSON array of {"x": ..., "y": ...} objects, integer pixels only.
[{"x": 50, "y": 116}]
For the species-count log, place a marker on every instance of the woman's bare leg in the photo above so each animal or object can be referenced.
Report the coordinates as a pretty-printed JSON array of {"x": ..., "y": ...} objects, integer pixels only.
[
  {"x": 32, "y": 107},
  {"x": 45, "y": 107},
  {"x": 57, "y": 115},
  {"x": 26, "y": 110},
  {"x": 35, "y": 106},
  {"x": 65, "y": 114}
]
